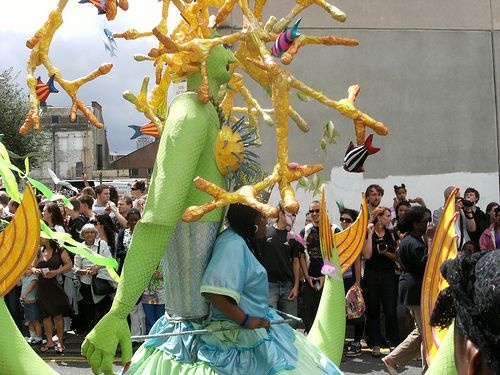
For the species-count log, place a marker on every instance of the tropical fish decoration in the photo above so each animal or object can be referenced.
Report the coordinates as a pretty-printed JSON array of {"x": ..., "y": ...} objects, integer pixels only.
[
  {"x": 109, "y": 42},
  {"x": 107, "y": 7},
  {"x": 43, "y": 90},
  {"x": 99, "y": 4},
  {"x": 355, "y": 156},
  {"x": 285, "y": 39},
  {"x": 148, "y": 129}
]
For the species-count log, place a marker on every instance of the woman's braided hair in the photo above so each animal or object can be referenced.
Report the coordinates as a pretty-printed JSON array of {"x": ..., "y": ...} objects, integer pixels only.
[{"x": 473, "y": 300}]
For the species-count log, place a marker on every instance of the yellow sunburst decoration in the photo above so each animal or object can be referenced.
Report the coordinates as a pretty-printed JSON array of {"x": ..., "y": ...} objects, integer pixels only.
[{"x": 231, "y": 148}]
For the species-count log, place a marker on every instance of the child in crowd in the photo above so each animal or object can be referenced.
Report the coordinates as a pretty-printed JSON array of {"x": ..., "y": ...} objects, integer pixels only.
[
  {"x": 401, "y": 196},
  {"x": 32, "y": 313},
  {"x": 470, "y": 247}
]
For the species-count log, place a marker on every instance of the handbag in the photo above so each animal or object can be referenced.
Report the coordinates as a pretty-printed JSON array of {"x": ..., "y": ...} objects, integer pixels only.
[
  {"x": 354, "y": 303},
  {"x": 101, "y": 287}
]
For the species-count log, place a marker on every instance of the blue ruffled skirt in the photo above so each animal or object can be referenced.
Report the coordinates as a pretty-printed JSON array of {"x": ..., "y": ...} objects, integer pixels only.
[{"x": 241, "y": 351}]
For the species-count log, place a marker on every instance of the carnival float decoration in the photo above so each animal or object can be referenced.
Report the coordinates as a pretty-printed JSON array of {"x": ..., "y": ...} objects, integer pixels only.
[
  {"x": 205, "y": 140},
  {"x": 444, "y": 247}
]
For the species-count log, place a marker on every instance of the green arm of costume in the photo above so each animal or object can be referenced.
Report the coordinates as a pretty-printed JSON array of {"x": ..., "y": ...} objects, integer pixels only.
[
  {"x": 328, "y": 330},
  {"x": 16, "y": 356},
  {"x": 181, "y": 146}
]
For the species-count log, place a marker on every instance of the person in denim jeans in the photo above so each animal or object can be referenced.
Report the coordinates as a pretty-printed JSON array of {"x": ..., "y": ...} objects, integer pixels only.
[{"x": 280, "y": 258}]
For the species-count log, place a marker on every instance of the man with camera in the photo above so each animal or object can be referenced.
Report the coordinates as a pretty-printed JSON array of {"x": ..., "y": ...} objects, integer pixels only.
[
  {"x": 465, "y": 223},
  {"x": 471, "y": 197}
]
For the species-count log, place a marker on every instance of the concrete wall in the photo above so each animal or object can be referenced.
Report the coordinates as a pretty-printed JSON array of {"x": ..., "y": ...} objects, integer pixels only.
[{"x": 429, "y": 70}]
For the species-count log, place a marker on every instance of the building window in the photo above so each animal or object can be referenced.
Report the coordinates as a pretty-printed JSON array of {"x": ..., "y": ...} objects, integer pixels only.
[
  {"x": 150, "y": 171},
  {"x": 78, "y": 168},
  {"x": 54, "y": 120},
  {"x": 99, "y": 157},
  {"x": 133, "y": 172}
]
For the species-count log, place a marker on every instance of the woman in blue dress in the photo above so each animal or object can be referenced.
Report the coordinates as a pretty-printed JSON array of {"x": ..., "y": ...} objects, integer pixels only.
[{"x": 235, "y": 283}]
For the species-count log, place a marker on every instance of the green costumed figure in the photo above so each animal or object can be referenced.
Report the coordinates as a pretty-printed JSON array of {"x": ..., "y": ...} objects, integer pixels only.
[{"x": 187, "y": 150}]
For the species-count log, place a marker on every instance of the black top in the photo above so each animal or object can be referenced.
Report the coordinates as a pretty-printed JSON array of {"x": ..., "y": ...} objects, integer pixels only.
[
  {"x": 75, "y": 226},
  {"x": 277, "y": 255},
  {"x": 481, "y": 224},
  {"x": 413, "y": 255},
  {"x": 314, "y": 250},
  {"x": 378, "y": 262}
]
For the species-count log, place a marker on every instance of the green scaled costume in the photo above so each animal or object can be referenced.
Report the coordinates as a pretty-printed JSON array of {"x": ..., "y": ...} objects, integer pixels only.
[
  {"x": 328, "y": 329},
  {"x": 16, "y": 357},
  {"x": 186, "y": 151}
]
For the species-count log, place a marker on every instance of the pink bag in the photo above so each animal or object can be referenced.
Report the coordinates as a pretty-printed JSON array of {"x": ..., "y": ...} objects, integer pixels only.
[{"x": 354, "y": 303}]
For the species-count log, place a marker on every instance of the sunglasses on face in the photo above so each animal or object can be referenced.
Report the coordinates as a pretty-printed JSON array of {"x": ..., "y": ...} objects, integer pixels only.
[
  {"x": 345, "y": 219},
  {"x": 314, "y": 211},
  {"x": 94, "y": 222}
]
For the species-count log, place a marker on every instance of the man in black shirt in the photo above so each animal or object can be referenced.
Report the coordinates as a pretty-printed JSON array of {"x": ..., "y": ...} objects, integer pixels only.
[
  {"x": 280, "y": 257},
  {"x": 76, "y": 221},
  {"x": 312, "y": 272},
  {"x": 471, "y": 197}
]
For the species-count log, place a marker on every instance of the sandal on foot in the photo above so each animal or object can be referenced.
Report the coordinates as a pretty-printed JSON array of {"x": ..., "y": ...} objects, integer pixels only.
[
  {"x": 59, "y": 349},
  {"x": 46, "y": 348},
  {"x": 389, "y": 368},
  {"x": 376, "y": 352}
]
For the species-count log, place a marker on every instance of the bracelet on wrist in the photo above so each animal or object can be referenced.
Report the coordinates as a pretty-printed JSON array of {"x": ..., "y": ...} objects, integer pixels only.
[{"x": 245, "y": 322}]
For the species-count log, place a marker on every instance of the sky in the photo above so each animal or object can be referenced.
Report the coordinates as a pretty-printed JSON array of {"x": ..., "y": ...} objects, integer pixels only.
[{"x": 77, "y": 49}]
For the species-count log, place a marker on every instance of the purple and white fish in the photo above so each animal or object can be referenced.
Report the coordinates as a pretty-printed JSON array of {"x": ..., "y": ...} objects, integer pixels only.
[
  {"x": 285, "y": 39},
  {"x": 355, "y": 156}
]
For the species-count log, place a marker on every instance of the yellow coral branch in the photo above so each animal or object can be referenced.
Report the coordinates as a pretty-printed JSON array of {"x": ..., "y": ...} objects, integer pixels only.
[{"x": 303, "y": 40}]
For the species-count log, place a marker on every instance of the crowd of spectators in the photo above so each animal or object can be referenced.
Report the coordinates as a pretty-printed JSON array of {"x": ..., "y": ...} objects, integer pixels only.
[
  {"x": 62, "y": 292},
  {"x": 389, "y": 270}
]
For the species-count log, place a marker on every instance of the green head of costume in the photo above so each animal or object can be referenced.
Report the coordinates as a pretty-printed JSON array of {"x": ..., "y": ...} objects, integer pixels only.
[{"x": 219, "y": 71}]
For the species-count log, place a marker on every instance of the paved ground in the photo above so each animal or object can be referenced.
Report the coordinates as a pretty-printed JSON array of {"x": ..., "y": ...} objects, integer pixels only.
[
  {"x": 364, "y": 364},
  {"x": 71, "y": 363}
]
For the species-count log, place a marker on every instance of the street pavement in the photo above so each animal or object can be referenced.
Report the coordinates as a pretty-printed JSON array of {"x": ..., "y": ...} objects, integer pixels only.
[{"x": 72, "y": 363}]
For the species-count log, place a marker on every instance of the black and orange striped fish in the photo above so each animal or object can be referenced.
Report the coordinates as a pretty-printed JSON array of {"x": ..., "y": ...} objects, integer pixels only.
[
  {"x": 44, "y": 89},
  {"x": 148, "y": 129}
]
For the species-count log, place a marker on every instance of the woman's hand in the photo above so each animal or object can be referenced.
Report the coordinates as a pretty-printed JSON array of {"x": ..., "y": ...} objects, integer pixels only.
[
  {"x": 310, "y": 281},
  {"x": 256, "y": 322},
  {"x": 50, "y": 274},
  {"x": 370, "y": 228},
  {"x": 36, "y": 271}
]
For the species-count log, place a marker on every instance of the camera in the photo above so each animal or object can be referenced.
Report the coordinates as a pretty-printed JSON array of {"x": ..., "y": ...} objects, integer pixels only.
[
  {"x": 467, "y": 203},
  {"x": 381, "y": 245}
]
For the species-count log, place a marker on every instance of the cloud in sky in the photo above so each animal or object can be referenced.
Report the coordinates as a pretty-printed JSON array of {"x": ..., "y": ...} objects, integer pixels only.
[{"x": 77, "y": 49}]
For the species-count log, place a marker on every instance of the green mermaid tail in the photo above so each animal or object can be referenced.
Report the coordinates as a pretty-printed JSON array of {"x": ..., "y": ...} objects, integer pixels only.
[
  {"x": 328, "y": 330},
  {"x": 444, "y": 361},
  {"x": 16, "y": 356}
]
